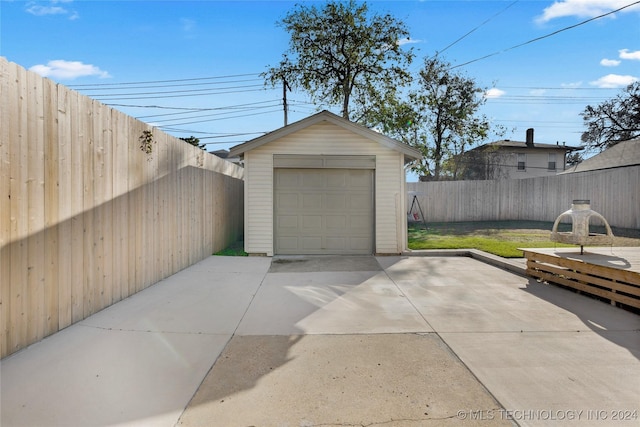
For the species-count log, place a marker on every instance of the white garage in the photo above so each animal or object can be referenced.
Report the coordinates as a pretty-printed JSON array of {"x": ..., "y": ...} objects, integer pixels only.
[{"x": 324, "y": 185}]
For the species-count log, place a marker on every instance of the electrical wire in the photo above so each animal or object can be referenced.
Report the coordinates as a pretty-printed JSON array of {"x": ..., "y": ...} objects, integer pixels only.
[
  {"x": 216, "y": 114},
  {"x": 199, "y": 110},
  {"x": 171, "y": 85},
  {"x": 225, "y": 118},
  {"x": 166, "y": 81},
  {"x": 474, "y": 29},
  {"x": 97, "y": 95},
  {"x": 112, "y": 98},
  {"x": 546, "y": 35}
]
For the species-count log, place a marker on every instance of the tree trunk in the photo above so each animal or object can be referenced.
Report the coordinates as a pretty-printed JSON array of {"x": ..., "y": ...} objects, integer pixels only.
[{"x": 345, "y": 106}]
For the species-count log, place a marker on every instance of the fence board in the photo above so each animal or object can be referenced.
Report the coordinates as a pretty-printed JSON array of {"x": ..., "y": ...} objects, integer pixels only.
[
  {"x": 51, "y": 206},
  {"x": 35, "y": 201},
  {"x": 6, "y": 92},
  {"x": 17, "y": 121},
  {"x": 65, "y": 208},
  {"x": 120, "y": 207},
  {"x": 76, "y": 250},
  {"x": 88, "y": 243}
]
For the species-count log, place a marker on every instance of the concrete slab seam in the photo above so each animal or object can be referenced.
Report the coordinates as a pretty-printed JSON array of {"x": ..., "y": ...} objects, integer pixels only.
[
  {"x": 231, "y": 336},
  {"x": 450, "y": 350}
]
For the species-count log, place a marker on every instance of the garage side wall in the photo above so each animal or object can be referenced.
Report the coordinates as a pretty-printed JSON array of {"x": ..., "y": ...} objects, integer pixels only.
[{"x": 324, "y": 139}]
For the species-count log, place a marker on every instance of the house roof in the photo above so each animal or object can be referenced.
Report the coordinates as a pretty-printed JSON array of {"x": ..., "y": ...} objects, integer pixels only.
[
  {"x": 409, "y": 152},
  {"x": 623, "y": 154},
  {"x": 507, "y": 143}
]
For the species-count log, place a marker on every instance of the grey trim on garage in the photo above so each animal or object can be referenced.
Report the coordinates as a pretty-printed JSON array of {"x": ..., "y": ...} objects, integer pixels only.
[{"x": 301, "y": 161}]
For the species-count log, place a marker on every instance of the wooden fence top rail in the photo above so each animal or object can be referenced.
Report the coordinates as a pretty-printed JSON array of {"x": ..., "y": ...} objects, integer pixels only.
[{"x": 622, "y": 258}]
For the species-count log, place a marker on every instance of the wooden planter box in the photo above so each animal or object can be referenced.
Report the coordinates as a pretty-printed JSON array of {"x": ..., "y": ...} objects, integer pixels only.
[{"x": 607, "y": 273}]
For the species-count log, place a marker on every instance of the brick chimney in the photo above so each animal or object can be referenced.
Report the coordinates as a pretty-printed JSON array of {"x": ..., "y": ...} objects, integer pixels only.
[{"x": 529, "y": 137}]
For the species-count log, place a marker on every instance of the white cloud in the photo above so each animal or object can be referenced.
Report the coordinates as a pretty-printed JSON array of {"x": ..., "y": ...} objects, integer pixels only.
[
  {"x": 582, "y": 8},
  {"x": 625, "y": 54},
  {"x": 52, "y": 8},
  {"x": 68, "y": 70},
  {"x": 614, "y": 81},
  {"x": 609, "y": 62},
  {"x": 571, "y": 85},
  {"x": 494, "y": 93},
  {"x": 408, "y": 41},
  {"x": 537, "y": 92}
]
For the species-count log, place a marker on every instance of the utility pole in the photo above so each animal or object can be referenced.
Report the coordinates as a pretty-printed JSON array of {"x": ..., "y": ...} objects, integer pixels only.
[{"x": 284, "y": 100}]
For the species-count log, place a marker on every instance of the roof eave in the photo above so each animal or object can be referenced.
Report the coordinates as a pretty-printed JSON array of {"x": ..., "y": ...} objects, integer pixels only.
[{"x": 391, "y": 143}]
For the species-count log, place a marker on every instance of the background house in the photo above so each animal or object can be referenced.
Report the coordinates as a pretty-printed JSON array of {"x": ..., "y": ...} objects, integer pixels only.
[
  {"x": 623, "y": 154},
  {"x": 325, "y": 185},
  {"x": 508, "y": 159}
]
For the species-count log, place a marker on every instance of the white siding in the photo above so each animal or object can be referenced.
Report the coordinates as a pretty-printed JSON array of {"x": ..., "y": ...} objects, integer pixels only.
[
  {"x": 324, "y": 139},
  {"x": 537, "y": 162}
]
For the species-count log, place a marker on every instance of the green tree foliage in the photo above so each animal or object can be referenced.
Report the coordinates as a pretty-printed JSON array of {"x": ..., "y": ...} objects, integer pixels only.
[
  {"x": 446, "y": 120},
  {"x": 613, "y": 121},
  {"x": 342, "y": 55},
  {"x": 194, "y": 141}
]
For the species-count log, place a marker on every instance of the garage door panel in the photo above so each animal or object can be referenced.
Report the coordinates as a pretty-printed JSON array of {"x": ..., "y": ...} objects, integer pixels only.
[
  {"x": 288, "y": 221},
  {"x": 360, "y": 223},
  {"x": 313, "y": 180},
  {"x": 286, "y": 201},
  {"x": 358, "y": 244},
  {"x": 310, "y": 222},
  {"x": 311, "y": 244},
  {"x": 287, "y": 243},
  {"x": 333, "y": 210},
  {"x": 357, "y": 179},
  {"x": 358, "y": 202},
  {"x": 336, "y": 179},
  {"x": 336, "y": 223},
  {"x": 288, "y": 178},
  {"x": 311, "y": 200},
  {"x": 336, "y": 202},
  {"x": 336, "y": 243}
]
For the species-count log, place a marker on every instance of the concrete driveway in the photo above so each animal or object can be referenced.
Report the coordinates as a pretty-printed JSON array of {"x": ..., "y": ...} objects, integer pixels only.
[{"x": 335, "y": 341}]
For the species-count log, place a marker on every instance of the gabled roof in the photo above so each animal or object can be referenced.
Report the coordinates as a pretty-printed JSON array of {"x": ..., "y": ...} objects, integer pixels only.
[
  {"x": 623, "y": 154},
  {"x": 409, "y": 152},
  {"x": 507, "y": 143}
]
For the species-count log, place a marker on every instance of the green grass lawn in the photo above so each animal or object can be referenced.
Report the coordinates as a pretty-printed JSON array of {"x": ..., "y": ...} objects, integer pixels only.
[
  {"x": 235, "y": 249},
  {"x": 502, "y": 238}
]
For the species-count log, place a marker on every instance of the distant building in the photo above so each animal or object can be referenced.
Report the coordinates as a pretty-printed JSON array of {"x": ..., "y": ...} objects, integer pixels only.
[
  {"x": 623, "y": 154},
  {"x": 224, "y": 154},
  {"x": 508, "y": 159}
]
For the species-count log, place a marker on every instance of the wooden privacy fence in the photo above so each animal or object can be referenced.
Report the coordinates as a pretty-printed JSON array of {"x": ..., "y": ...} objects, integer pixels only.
[
  {"x": 88, "y": 218},
  {"x": 614, "y": 193}
]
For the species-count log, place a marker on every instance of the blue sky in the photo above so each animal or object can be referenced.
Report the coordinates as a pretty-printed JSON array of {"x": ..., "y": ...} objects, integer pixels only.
[{"x": 200, "y": 60}]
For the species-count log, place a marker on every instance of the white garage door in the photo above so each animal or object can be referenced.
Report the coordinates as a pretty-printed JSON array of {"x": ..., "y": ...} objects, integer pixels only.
[{"x": 323, "y": 211}]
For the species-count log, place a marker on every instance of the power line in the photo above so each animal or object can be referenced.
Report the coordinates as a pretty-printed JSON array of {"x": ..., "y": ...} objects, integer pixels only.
[
  {"x": 224, "y": 92},
  {"x": 559, "y": 88},
  {"x": 474, "y": 29},
  {"x": 166, "y": 81},
  {"x": 173, "y": 91},
  {"x": 88, "y": 89},
  {"x": 216, "y": 114},
  {"x": 198, "y": 110},
  {"x": 222, "y": 118},
  {"x": 547, "y": 35}
]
